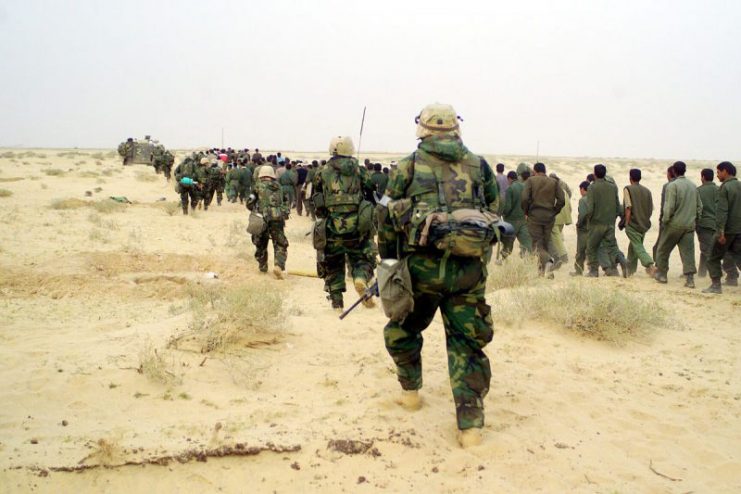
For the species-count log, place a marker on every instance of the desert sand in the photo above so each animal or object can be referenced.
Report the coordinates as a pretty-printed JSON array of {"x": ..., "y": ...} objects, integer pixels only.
[{"x": 87, "y": 292}]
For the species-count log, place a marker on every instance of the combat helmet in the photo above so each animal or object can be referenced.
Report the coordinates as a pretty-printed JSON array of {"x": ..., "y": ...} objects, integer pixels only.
[
  {"x": 341, "y": 146},
  {"x": 437, "y": 118},
  {"x": 523, "y": 167},
  {"x": 266, "y": 171},
  {"x": 205, "y": 161}
]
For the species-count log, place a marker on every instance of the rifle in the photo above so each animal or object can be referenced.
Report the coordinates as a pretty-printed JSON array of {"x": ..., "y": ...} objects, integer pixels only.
[{"x": 370, "y": 292}]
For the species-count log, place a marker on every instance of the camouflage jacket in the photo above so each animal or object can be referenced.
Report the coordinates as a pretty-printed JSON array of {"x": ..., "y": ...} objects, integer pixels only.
[
  {"x": 342, "y": 184},
  {"x": 271, "y": 201},
  {"x": 442, "y": 175}
]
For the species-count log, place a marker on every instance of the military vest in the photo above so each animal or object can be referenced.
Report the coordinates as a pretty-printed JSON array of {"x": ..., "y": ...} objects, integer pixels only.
[
  {"x": 342, "y": 193},
  {"x": 269, "y": 199}
]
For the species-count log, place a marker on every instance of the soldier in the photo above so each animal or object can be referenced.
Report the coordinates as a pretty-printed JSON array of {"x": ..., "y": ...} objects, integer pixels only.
[
  {"x": 158, "y": 154},
  {"x": 638, "y": 206},
  {"x": 126, "y": 150},
  {"x": 603, "y": 209},
  {"x": 244, "y": 182},
  {"x": 557, "y": 248},
  {"x": 215, "y": 183},
  {"x": 288, "y": 181},
  {"x": 308, "y": 189},
  {"x": 705, "y": 230},
  {"x": 168, "y": 159},
  {"x": 440, "y": 178},
  {"x": 728, "y": 224},
  {"x": 582, "y": 231},
  {"x": 345, "y": 222},
  {"x": 542, "y": 199},
  {"x": 380, "y": 180},
  {"x": 268, "y": 199},
  {"x": 515, "y": 216},
  {"x": 682, "y": 207},
  {"x": 190, "y": 178},
  {"x": 669, "y": 179}
]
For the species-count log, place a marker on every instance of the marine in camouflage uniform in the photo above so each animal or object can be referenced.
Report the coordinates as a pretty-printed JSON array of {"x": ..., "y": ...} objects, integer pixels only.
[
  {"x": 271, "y": 203},
  {"x": 158, "y": 155},
  {"x": 126, "y": 150},
  {"x": 339, "y": 187},
  {"x": 441, "y": 175},
  {"x": 197, "y": 173},
  {"x": 167, "y": 161},
  {"x": 214, "y": 185}
]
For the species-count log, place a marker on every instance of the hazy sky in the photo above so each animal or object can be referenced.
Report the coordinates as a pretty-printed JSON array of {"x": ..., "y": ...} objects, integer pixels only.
[{"x": 599, "y": 78}]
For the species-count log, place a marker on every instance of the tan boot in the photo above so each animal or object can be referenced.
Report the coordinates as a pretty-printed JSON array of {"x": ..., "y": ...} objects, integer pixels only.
[
  {"x": 361, "y": 286},
  {"x": 279, "y": 273},
  {"x": 410, "y": 400},
  {"x": 470, "y": 437}
]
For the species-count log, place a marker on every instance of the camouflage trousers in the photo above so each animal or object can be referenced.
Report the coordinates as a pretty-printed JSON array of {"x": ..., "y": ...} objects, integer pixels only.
[
  {"x": 208, "y": 196},
  {"x": 459, "y": 294},
  {"x": 331, "y": 266},
  {"x": 193, "y": 193},
  {"x": 273, "y": 232}
]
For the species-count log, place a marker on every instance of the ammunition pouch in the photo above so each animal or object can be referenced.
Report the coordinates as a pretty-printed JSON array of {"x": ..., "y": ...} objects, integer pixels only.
[
  {"x": 319, "y": 234},
  {"x": 395, "y": 289}
]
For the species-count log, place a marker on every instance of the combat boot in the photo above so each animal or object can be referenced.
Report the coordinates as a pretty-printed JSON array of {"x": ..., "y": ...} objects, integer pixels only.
[
  {"x": 592, "y": 273},
  {"x": 690, "y": 283},
  {"x": 611, "y": 272},
  {"x": 264, "y": 269},
  {"x": 185, "y": 210},
  {"x": 410, "y": 400},
  {"x": 361, "y": 286},
  {"x": 661, "y": 277},
  {"x": 731, "y": 281},
  {"x": 279, "y": 273},
  {"x": 336, "y": 299},
  {"x": 714, "y": 287},
  {"x": 470, "y": 437}
]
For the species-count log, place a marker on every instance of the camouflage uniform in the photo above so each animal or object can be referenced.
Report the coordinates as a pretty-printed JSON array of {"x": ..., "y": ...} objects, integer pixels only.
[
  {"x": 442, "y": 168},
  {"x": 189, "y": 168},
  {"x": 214, "y": 184},
  {"x": 158, "y": 155},
  {"x": 341, "y": 183},
  {"x": 126, "y": 150},
  {"x": 272, "y": 204},
  {"x": 167, "y": 161}
]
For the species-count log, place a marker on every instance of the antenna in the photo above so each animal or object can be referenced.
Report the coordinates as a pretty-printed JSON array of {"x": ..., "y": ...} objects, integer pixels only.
[
  {"x": 537, "y": 152},
  {"x": 360, "y": 139}
]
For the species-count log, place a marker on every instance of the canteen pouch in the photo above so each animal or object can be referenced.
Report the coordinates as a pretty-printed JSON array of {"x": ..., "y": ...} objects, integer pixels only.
[
  {"x": 395, "y": 289},
  {"x": 319, "y": 235},
  {"x": 365, "y": 217},
  {"x": 256, "y": 224},
  {"x": 400, "y": 212}
]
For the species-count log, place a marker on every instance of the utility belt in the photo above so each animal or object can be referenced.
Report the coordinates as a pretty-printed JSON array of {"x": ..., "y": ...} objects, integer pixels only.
[{"x": 464, "y": 232}]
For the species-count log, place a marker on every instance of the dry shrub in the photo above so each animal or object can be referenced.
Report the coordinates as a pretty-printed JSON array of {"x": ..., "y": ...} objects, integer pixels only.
[
  {"x": 12, "y": 179},
  {"x": 107, "y": 206},
  {"x": 145, "y": 176},
  {"x": 169, "y": 207},
  {"x": 8, "y": 155},
  {"x": 5, "y": 193},
  {"x": 88, "y": 174},
  {"x": 70, "y": 203},
  {"x": 98, "y": 235},
  {"x": 54, "y": 172},
  {"x": 104, "y": 452},
  {"x": 606, "y": 313},
  {"x": 514, "y": 271},
  {"x": 243, "y": 316},
  {"x": 156, "y": 368},
  {"x": 97, "y": 156}
]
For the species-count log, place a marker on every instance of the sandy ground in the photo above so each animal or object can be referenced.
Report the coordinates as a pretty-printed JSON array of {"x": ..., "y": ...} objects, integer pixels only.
[{"x": 84, "y": 293}]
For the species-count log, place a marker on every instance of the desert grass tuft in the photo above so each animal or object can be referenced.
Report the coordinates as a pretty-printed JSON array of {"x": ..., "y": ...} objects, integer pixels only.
[
  {"x": 107, "y": 206},
  {"x": 54, "y": 172},
  {"x": 154, "y": 366},
  {"x": 607, "y": 313},
  {"x": 515, "y": 271},
  {"x": 69, "y": 203},
  {"x": 242, "y": 316},
  {"x": 146, "y": 176},
  {"x": 5, "y": 193}
]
